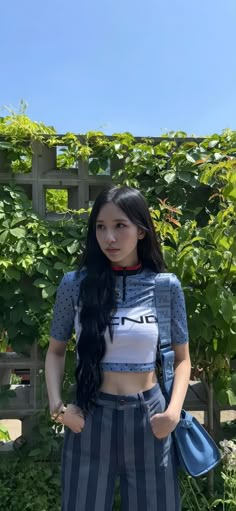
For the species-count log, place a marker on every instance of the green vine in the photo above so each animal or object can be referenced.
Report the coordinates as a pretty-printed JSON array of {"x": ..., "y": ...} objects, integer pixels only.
[{"x": 190, "y": 186}]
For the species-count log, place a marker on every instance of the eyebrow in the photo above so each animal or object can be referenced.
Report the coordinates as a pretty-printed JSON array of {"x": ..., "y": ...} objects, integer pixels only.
[{"x": 115, "y": 220}]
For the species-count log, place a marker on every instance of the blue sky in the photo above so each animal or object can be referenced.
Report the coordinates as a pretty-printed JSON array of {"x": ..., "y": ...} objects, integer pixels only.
[{"x": 128, "y": 65}]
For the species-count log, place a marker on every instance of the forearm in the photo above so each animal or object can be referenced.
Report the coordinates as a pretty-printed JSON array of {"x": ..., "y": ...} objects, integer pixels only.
[
  {"x": 180, "y": 386},
  {"x": 164, "y": 423},
  {"x": 54, "y": 371}
]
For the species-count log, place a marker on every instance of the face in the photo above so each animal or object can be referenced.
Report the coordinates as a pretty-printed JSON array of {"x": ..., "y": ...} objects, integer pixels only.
[{"x": 117, "y": 236}]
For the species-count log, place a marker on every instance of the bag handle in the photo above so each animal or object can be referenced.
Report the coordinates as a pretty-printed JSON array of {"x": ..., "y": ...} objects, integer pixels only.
[{"x": 163, "y": 310}]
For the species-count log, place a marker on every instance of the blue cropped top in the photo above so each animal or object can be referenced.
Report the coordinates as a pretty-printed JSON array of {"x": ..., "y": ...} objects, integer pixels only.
[{"x": 135, "y": 326}]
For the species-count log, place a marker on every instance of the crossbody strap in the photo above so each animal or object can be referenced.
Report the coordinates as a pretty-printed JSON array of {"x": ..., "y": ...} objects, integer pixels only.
[{"x": 163, "y": 311}]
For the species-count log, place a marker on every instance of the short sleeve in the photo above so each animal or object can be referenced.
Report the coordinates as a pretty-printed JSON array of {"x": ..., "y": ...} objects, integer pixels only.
[
  {"x": 64, "y": 312},
  {"x": 179, "y": 327}
]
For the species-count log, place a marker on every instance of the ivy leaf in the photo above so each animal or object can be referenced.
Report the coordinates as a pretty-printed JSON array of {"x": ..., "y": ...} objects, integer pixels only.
[
  {"x": 190, "y": 158},
  {"x": 229, "y": 191},
  {"x": 3, "y": 236},
  {"x": 41, "y": 283},
  {"x": 16, "y": 313},
  {"x": 233, "y": 382},
  {"x": 211, "y": 295},
  {"x": 74, "y": 247},
  {"x": 49, "y": 291},
  {"x": 103, "y": 164},
  {"x": 169, "y": 177},
  {"x": 216, "y": 259},
  {"x": 94, "y": 166},
  {"x": 233, "y": 248},
  {"x": 222, "y": 397},
  {"x": 185, "y": 251},
  {"x": 218, "y": 156},
  {"x": 13, "y": 274},
  {"x": 215, "y": 344},
  {"x": 43, "y": 268},
  {"x": 227, "y": 310},
  {"x": 223, "y": 242},
  {"x": 12, "y": 331},
  {"x": 60, "y": 266},
  {"x": 18, "y": 232},
  {"x": 4, "y": 435},
  {"x": 231, "y": 397},
  {"x": 19, "y": 247},
  {"x": 213, "y": 143},
  {"x": 19, "y": 218},
  {"x": 27, "y": 320},
  {"x": 185, "y": 176}
]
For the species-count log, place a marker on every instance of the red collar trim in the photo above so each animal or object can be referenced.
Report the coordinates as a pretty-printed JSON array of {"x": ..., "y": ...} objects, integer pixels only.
[{"x": 127, "y": 268}]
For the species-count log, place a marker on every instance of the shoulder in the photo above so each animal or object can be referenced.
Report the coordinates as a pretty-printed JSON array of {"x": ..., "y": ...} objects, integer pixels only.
[
  {"x": 70, "y": 282},
  {"x": 170, "y": 278},
  {"x": 170, "y": 281},
  {"x": 72, "y": 277},
  {"x": 175, "y": 281}
]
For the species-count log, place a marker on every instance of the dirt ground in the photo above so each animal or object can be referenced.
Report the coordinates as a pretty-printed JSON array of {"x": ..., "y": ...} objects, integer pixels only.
[{"x": 14, "y": 426}]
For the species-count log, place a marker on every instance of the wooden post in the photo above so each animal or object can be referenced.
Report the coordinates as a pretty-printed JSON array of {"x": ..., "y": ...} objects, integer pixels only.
[
  {"x": 43, "y": 160},
  {"x": 83, "y": 190}
]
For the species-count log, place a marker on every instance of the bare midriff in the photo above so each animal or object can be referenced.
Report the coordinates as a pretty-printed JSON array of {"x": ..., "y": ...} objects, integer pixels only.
[{"x": 124, "y": 383}]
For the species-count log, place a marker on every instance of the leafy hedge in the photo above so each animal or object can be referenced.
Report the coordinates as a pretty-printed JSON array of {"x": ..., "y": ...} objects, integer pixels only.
[
  {"x": 190, "y": 186},
  {"x": 34, "y": 254},
  {"x": 30, "y": 486}
]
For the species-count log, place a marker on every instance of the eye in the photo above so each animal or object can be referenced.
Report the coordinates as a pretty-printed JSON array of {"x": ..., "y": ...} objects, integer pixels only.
[
  {"x": 99, "y": 226},
  {"x": 120, "y": 225}
]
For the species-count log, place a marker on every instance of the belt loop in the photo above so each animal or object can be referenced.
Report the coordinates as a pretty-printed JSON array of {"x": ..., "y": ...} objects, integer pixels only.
[{"x": 142, "y": 400}]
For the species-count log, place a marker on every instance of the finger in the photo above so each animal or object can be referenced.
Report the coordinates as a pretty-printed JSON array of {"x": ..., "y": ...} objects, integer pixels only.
[
  {"x": 74, "y": 425},
  {"x": 77, "y": 430},
  {"x": 161, "y": 437},
  {"x": 70, "y": 419}
]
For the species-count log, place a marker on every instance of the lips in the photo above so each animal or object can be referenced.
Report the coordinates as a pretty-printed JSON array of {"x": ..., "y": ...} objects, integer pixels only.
[{"x": 112, "y": 250}]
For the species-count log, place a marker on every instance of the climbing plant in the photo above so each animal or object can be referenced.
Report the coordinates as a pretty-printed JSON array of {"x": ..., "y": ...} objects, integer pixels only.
[{"x": 189, "y": 185}]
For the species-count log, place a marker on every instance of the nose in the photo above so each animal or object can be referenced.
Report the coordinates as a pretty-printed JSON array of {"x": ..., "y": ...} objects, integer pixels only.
[{"x": 110, "y": 236}]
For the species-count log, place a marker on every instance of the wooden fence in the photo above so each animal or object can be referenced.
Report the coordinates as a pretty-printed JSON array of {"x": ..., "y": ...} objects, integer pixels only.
[{"x": 82, "y": 186}]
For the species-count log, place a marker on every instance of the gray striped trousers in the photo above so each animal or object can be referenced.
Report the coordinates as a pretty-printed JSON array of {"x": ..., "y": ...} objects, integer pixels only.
[{"x": 117, "y": 441}]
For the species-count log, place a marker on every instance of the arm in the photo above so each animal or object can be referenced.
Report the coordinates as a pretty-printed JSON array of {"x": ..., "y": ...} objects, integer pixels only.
[
  {"x": 61, "y": 330},
  {"x": 181, "y": 379},
  {"x": 180, "y": 345},
  {"x": 163, "y": 424},
  {"x": 54, "y": 372}
]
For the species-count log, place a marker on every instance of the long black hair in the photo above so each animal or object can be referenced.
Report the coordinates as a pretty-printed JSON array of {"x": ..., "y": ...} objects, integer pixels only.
[{"x": 97, "y": 290}]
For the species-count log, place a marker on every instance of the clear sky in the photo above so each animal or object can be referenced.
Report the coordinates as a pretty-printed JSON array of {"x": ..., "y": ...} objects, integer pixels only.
[{"x": 127, "y": 65}]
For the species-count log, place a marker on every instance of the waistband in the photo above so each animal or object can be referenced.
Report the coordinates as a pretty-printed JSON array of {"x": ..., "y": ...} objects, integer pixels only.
[{"x": 119, "y": 401}]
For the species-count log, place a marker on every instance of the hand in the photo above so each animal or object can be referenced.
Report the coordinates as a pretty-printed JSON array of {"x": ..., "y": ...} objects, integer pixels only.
[
  {"x": 163, "y": 424},
  {"x": 73, "y": 418}
]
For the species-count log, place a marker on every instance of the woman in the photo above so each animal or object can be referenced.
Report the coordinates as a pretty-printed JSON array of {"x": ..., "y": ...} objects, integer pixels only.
[{"x": 119, "y": 425}]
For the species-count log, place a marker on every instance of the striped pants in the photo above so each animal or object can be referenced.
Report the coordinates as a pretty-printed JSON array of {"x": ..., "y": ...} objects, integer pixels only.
[{"x": 117, "y": 441}]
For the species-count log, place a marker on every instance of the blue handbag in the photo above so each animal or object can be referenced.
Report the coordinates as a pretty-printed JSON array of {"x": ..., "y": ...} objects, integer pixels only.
[{"x": 196, "y": 451}]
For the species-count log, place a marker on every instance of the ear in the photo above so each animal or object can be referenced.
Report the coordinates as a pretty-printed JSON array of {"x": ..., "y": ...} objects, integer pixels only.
[{"x": 141, "y": 234}]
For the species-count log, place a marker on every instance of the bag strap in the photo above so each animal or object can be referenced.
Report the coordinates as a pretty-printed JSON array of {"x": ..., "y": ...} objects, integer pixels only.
[{"x": 163, "y": 310}]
